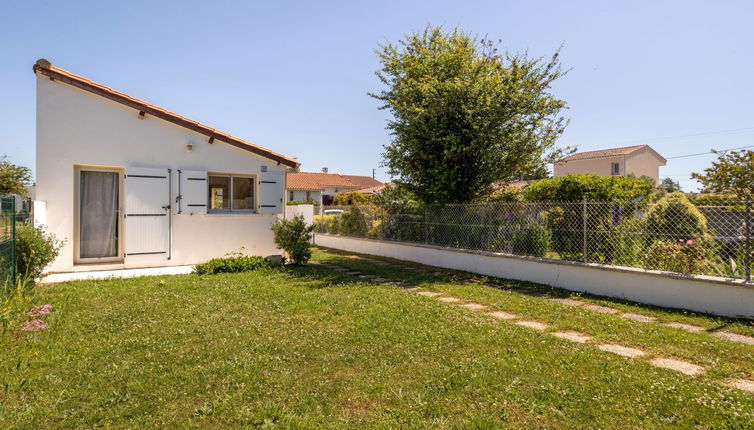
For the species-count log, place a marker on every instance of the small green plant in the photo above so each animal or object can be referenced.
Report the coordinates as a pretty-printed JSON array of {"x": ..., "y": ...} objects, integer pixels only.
[
  {"x": 680, "y": 256},
  {"x": 354, "y": 222},
  {"x": 35, "y": 249},
  {"x": 232, "y": 263},
  {"x": 628, "y": 243},
  {"x": 294, "y": 237},
  {"x": 533, "y": 239}
]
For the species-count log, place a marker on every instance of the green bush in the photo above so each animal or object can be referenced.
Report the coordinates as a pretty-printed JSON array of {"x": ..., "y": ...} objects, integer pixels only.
[
  {"x": 354, "y": 222},
  {"x": 231, "y": 264},
  {"x": 674, "y": 217},
  {"x": 299, "y": 202},
  {"x": 575, "y": 187},
  {"x": 35, "y": 249},
  {"x": 534, "y": 239},
  {"x": 294, "y": 237},
  {"x": 628, "y": 243},
  {"x": 681, "y": 256}
]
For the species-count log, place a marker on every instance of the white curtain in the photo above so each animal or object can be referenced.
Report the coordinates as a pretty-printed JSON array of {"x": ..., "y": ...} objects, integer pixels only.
[{"x": 98, "y": 214}]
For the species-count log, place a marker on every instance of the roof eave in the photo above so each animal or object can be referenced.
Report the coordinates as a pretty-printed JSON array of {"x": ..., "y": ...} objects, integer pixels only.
[{"x": 40, "y": 68}]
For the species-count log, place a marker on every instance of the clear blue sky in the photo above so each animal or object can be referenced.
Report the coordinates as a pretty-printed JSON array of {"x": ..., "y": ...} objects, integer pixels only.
[{"x": 294, "y": 76}]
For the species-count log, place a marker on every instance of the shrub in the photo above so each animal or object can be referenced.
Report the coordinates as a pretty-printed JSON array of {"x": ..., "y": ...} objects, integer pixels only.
[
  {"x": 35, "y": 249},
  {"x": 294, "y": 237},
  {"x": 231, "y": 264},
  {"x": 354, "y": 222},
  {"x": 573, "y": 187},
  {"x": 681, "y": 256},
  {"x": 533, "y": 239},
  {"x": 674, "y": 217},
  {"x": 628, "y": 243},
  {"x": 326, "y": 223},
  {"x": 352, "y": 198},
  {"x": 298, "y": 202}
]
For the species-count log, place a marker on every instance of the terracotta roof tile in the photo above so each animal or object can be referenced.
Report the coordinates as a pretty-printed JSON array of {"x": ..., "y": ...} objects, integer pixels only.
[
  {"x": 45, "y": 68},
  {"x": 363, "y": 181},
  {"x": 604, "y": 153},
  {"x": 317, "y": 181}
]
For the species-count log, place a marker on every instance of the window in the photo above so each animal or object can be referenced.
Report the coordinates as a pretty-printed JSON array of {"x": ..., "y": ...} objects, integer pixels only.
[
  {"x": 230, "y": 193},
  {"x": 615, "y": 168},
  {"x": 290, "y": 195}
]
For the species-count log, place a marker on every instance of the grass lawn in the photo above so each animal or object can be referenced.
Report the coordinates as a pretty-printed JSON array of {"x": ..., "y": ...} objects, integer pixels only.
[{"x": 313, "y": 348}]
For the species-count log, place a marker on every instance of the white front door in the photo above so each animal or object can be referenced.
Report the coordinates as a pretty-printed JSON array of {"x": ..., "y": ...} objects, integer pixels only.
[{"x": 147, "y": 213}]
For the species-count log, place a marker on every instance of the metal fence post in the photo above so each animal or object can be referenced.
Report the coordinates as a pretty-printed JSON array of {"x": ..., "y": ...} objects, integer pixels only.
[
  {"x": 583, "y": 229},
  {"x": 14, "y": 261},
  {"x": 747, "y": 239},
  {"x": 426, "y": 229}
]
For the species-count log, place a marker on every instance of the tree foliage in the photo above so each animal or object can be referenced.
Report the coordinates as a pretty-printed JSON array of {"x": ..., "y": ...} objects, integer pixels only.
[
  {"x": 575, "y": 187},
  {"x": 352, "y": 198},
  {"x": 466, "y": 116},
  {"x": 669, "y": 185},
  {"x": 13, "y": 178},
  {"x": 733, "y": 172}
]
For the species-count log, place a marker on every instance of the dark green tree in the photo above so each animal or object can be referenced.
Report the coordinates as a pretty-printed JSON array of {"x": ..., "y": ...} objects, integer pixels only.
[
  {"x": 733, "y": 172},
  {"x": 466, "y": 116},
  {"x": 669, "y": 185},
  {"x": 13, "y": 178}
]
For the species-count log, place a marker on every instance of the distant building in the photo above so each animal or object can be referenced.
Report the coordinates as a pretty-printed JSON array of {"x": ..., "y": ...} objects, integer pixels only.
[
  {"x": 323, "y": 187},
  {"x": 639, "y": 160}
]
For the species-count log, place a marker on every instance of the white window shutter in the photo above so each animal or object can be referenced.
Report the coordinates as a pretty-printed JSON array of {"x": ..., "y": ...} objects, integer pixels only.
[
  {"x": 147, "y": 225},
  {"x": 192, "y": 192},
  {"x": 271, "y": 193}
]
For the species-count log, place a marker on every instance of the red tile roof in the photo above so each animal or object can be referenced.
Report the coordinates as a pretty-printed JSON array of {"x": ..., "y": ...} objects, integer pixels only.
[
  {"x": 363, "y": 181},
  {"x": 604, "y": 153},
  {"x": 316, "y": 181},
  {"x": 44, "y": 67}
]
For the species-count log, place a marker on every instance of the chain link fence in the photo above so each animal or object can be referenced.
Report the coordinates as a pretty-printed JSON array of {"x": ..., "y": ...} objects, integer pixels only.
[
  {"x": 671, "y": 235},
  {"x": 13, "y": 210}
]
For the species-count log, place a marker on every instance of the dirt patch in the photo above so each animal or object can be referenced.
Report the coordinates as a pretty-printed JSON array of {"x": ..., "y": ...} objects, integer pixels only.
[
  {"x": 621, "y": 350},
  {"x": 678, "y": 365},
  {"x": 572, "y": 336}
]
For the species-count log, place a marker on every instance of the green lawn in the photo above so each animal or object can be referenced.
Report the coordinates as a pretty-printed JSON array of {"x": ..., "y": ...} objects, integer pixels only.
[{"x": 313, "y": 348}]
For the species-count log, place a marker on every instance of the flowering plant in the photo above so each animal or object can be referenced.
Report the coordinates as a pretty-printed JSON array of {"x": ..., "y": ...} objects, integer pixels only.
[{"x": 682, "y": 255}]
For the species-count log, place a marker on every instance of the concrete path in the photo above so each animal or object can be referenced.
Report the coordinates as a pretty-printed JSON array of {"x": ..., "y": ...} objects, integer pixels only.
[{"x": 123, "y": 273}]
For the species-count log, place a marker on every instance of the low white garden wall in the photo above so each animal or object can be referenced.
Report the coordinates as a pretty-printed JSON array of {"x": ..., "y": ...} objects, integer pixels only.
[{"x": 718, "y": 296}]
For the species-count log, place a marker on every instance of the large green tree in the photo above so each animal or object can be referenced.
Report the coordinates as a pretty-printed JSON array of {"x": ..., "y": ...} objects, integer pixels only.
[
  {"x": 733, "y": 172},
  {"x": 465, "y": 115},
  {"x": 13, "y": 178}
]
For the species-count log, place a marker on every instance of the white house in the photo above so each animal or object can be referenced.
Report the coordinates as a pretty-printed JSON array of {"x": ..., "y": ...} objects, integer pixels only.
[
  {"x": 639, "y": 160},
  {"x": 128, "y": 184}
]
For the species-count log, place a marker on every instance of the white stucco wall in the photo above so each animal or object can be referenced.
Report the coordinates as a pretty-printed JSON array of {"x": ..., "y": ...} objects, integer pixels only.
[
  {"x": 298, "y": 195},
  {"x": 718, "y": 296},
  {"x": 599, "y": 166},
  {"x": 307, "y": 211},
  {"x": 75, "y": 127}
]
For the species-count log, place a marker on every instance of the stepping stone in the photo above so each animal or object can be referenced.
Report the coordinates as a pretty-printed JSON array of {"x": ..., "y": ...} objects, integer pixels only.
[
  {"x": 601, "y": 309},
  {"x": 366, "y": 276},
  {"x": 502, "y": 315},
  {"x": 449, "y": 299},
  {"x": 568, "y": 302},
  {"x": 621, "y": 350},
  {"x": 742, "y": 384},
  {"x": 429, "y": 293},
  {"x": 410, "y": 287},
  {"x": 734, "y": 337},
  {"x": 678, "y": 366},
  {"x": 353, "y": 273},
  {"x": 532, "y": 324},
  {"x": 474, "y": 281},
  {"x": 438, "y": 273},
  {"x": 688, "y": 327},
  {"x": 638, "y": 317},
  {"x": 378, "y": 279},
  {"x": 572, "y": 336},
  {"x": 528, "y": 292},
  {"x": 474, "y": 306}
]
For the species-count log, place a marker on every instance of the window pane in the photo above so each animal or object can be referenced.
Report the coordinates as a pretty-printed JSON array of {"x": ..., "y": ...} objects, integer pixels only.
[
  {"x": 219, "y": 192},
  {"x": 243, "y": 193}
]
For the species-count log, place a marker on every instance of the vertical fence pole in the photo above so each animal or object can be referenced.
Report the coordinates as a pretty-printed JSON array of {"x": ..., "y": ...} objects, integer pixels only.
[
  {"x": 13, "y": 259},
  {"x": 747, "y": 239},
  {"x": 426, "y": 228},
  {"x": 583, "y": 230}
]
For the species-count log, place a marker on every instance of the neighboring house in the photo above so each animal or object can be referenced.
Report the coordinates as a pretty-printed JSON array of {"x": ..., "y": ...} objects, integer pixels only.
[
  {"x": 129, "y": 184},
  {"x": 323, "y": 187},
  {"x": 640, "y": 160}
]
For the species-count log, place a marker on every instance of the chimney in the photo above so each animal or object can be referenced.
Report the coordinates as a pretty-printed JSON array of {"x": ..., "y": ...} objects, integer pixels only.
[{"x": 324, "y": 170}]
